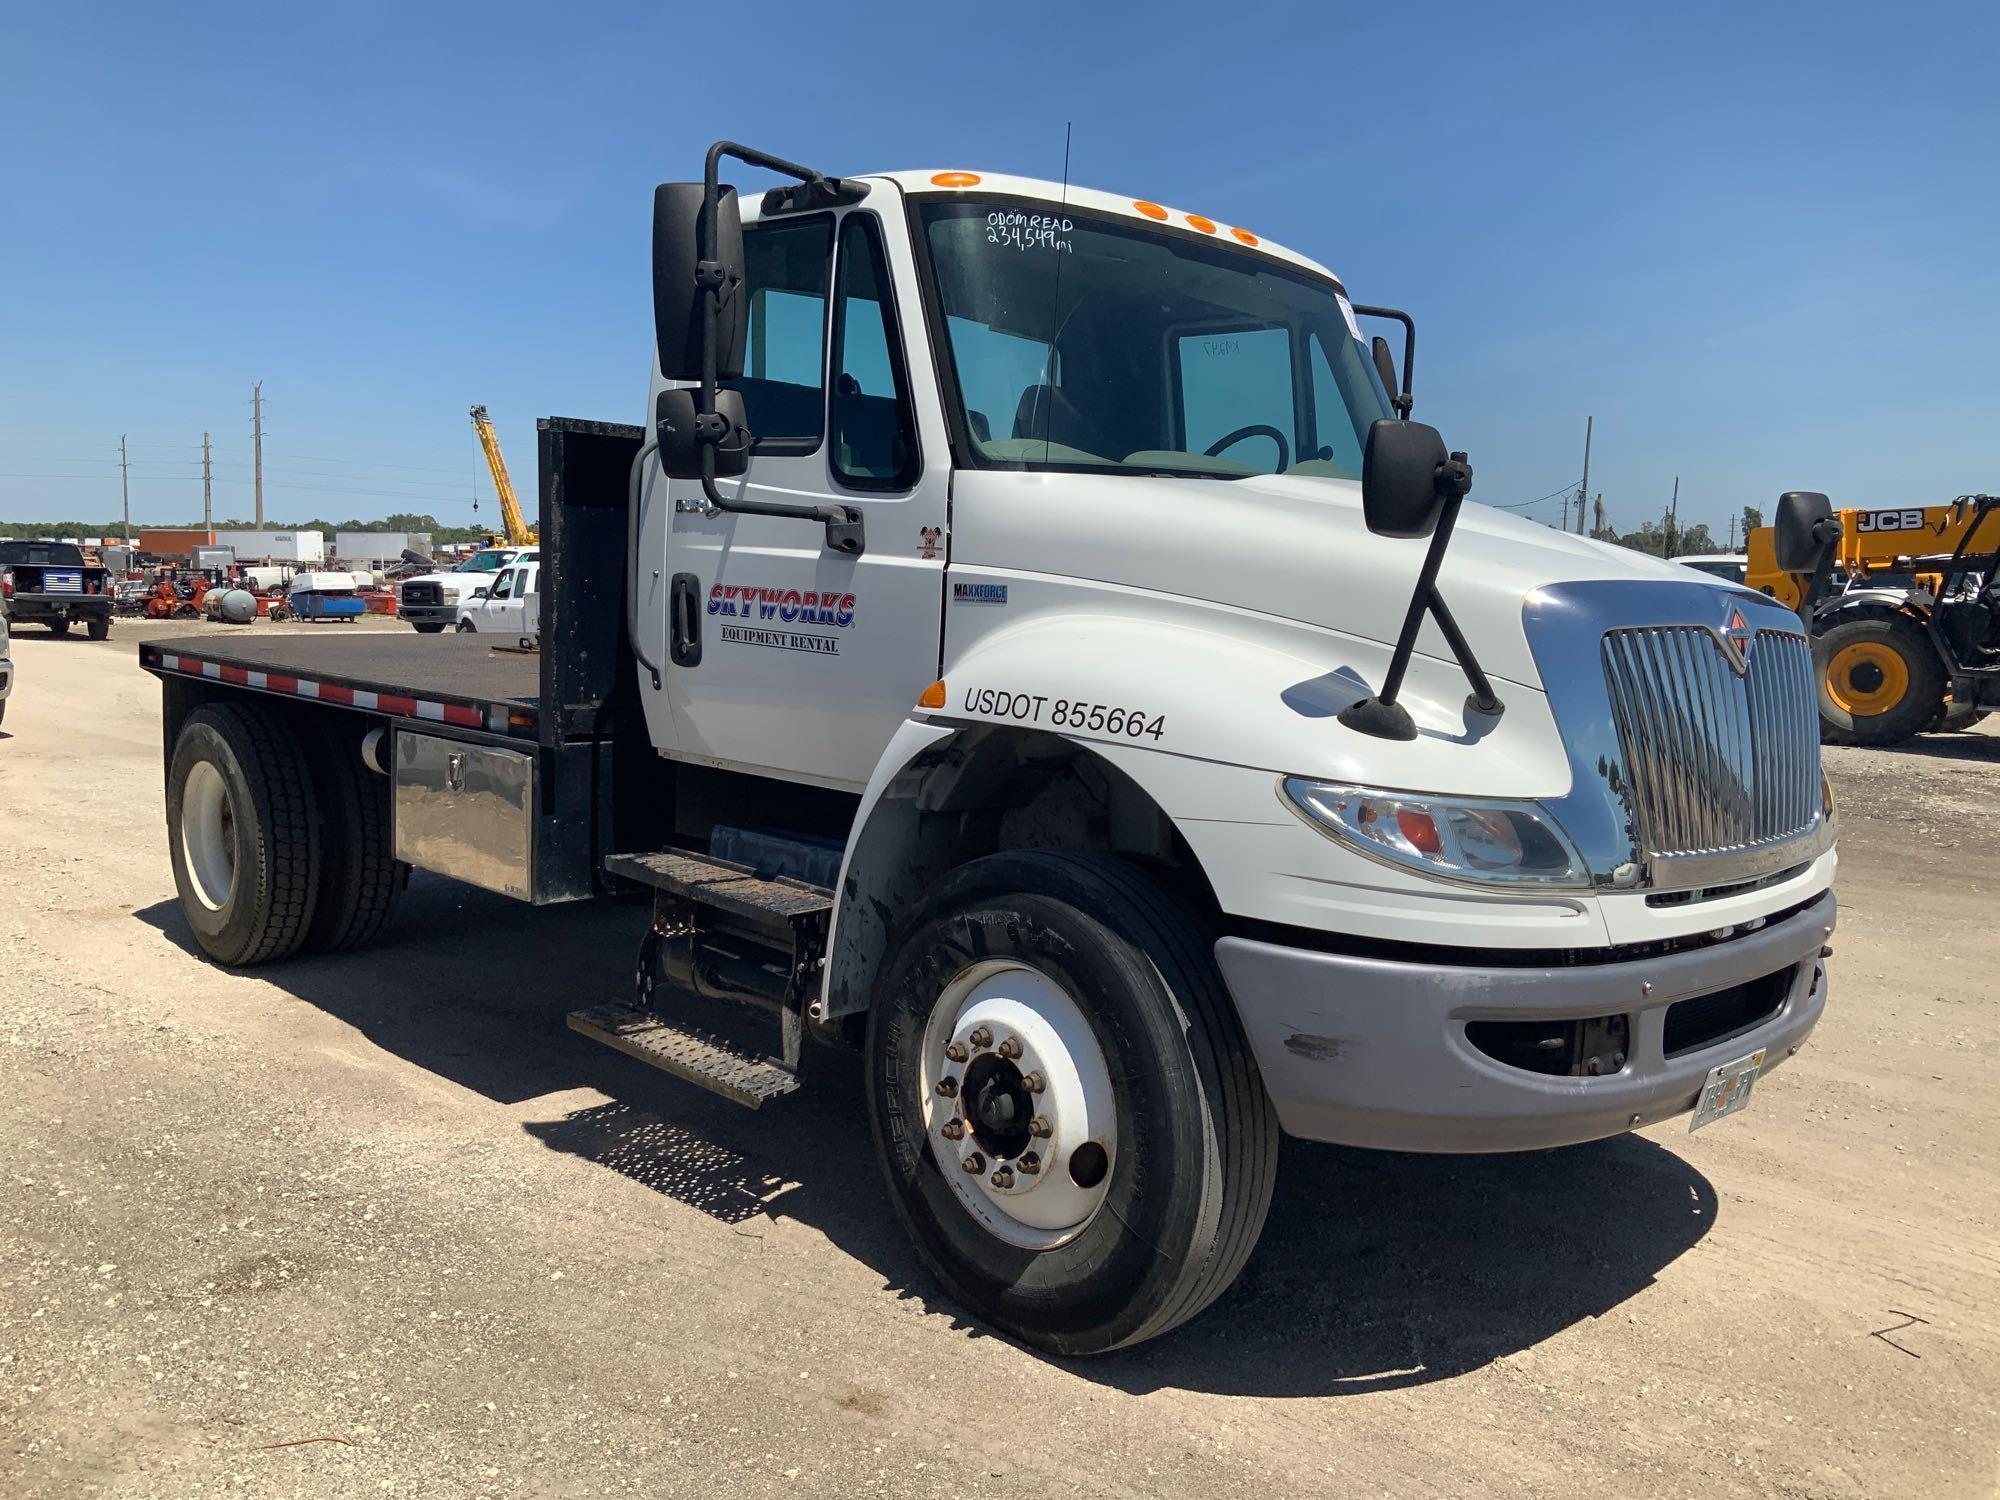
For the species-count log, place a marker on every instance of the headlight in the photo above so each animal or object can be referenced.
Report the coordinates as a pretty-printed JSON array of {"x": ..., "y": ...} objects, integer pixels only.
[{"x": 1449, "y": 838}]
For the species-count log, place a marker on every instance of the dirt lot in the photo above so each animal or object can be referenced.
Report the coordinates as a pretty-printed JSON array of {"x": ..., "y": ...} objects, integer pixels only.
[{"x": 381, "y": 1225}]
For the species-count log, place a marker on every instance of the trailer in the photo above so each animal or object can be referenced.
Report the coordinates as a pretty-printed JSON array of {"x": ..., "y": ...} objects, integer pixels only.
[{"x": 1086, "y": 739}]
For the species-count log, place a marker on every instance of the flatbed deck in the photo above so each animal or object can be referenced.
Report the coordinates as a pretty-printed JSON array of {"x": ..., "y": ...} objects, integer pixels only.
[{"x": 451, "y": 679}]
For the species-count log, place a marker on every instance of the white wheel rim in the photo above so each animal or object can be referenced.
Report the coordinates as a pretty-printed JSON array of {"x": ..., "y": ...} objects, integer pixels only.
[
  {"x": 208, "y": 835},
  {"x": 998, "y": 1029}
]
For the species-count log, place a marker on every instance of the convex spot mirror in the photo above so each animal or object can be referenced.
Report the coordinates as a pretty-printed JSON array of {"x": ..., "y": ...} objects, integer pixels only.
[
  {"x": 1385, "y": 363},
  {"x": 677, "y": 425},
  {"x": 1399, "y": 489},
  {"x": 1801, "y": 530},
  {"x": 678, "y": 295}
]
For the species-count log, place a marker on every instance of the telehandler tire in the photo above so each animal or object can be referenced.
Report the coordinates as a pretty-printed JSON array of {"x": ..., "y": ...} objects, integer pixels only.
[
  {"x": 1878, "y": 680},
  {"x": 1073, "y": 1129},
  {"x": 243, "y": 834}
]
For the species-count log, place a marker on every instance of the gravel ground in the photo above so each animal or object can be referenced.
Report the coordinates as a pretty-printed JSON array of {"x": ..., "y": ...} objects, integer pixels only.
[{"x": 379, "y": 1224}]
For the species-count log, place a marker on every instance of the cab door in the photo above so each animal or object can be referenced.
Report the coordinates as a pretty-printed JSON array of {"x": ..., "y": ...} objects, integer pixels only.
[{"x": 785, "y": 657}]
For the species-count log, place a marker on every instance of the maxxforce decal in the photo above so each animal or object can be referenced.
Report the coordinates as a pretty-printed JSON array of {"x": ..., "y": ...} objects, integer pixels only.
[
  {"x": 979, "y": 593},
  {"x": 781, "y": 607},
  {"x": 1065, "y": 713}
]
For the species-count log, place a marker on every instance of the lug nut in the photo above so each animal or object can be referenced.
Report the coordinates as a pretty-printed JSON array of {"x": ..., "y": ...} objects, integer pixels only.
[
  {"x": 953, "y": 1130},
  {"x": 974, "y": 1163},
  {"x": 948, "y": 1087},
  {"x": 1010, "y": 1046},
  {"x": 1040, "y": 1126},
  {"x": 1003, "y": 1178},
  {"x": 981, "y": 1037},
  {"x": 955, "y": 1051},
  {"x": 1035, "y": 1082},
  {"x": 1029, "y": 1163}
]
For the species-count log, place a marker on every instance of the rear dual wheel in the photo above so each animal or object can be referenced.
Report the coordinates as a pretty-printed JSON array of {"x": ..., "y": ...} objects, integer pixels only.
[
  {"x": 1073, "y": 1129},
  {"x": 1879, "y": 680},
  {"x": 276, "y": 848}
]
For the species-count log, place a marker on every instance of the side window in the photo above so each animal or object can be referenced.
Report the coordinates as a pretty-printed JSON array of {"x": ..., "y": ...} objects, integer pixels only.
[
  {"x": 784, "y": 354},
  {"x": 503, "y": 586},
  {"x": 1233, "y": 380},
  {"x": 874, "y": 433}
]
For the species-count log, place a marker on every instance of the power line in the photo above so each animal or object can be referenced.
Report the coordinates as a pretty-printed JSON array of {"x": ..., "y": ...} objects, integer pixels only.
[{"x": 1524, "y": 504}]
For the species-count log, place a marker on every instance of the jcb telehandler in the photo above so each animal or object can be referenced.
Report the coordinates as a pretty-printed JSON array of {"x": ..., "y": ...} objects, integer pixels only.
[{"x": 1910, "y": 638}]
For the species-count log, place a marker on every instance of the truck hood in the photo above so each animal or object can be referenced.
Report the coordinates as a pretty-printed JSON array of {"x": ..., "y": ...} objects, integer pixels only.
[{"x": 1295, "y": 548}]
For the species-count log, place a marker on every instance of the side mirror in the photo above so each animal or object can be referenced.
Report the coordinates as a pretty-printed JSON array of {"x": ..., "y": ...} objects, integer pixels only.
[
  {"x": 481, "y": 592},
  {"x": 1385, "y": 363},
  {"x": 1802, "y": 530},
  {"x": 677, "y": 291},
  {"x": 1400, "y": 494},
  {"x": 677, "y": 423}
]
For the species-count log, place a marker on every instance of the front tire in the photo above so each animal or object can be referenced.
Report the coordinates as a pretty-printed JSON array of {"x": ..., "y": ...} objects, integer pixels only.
[
  {"x": 243, "y": 834},
  {"x": 100, "y": 628},
  {"x": 59, "y": 627},
  {"x": 1151, "y": 1124},
  {"x": 435, "y": 627},
  {"x": 1878, "y": 678},
  {"x": 466, "y": 627}
]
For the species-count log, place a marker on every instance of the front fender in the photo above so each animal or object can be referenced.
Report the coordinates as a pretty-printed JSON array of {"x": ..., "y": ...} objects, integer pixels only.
[{"x": 1255, "y": 692}]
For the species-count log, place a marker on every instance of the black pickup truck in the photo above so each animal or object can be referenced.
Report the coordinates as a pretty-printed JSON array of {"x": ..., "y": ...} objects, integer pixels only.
[{"x": 49, "y": 583}]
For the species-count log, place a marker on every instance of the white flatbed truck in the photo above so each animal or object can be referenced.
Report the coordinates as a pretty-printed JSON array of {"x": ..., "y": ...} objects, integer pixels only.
[{"x": 1017, "y": 644}]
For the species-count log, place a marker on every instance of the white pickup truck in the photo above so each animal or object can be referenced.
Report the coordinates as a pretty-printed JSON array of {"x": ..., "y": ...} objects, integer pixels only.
[
  {"x": 430, "y": 601},
  {"x": 1030, "y": 642}
]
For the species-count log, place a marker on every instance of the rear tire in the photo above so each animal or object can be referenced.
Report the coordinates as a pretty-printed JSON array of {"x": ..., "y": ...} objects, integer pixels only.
[
  {"x": 1170, "y": 1212},
  {"x": 1878, "y": 680},
  {"x": 100, "y": 629},
  {"x": 243, "y": 834},
  {"x": 59, "y": 627},
  {"x": 359, "y": 875},
  {"x": 431, "y": 629}
]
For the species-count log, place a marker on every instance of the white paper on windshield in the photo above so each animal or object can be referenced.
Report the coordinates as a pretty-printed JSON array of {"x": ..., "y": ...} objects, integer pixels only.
[{"x": 1347, "y": 312}]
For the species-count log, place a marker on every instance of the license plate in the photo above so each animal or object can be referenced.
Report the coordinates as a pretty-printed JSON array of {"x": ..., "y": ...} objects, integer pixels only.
[{"x": 1727, "y": 1089}]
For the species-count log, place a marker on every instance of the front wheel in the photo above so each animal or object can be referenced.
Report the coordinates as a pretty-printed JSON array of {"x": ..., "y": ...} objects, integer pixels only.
[
  {"x": 1879, "y": 679},
  {"x": 100, "y": 628},
  {"x": 466, "y": 627},
  {"x": 59, "y": 626},
  {"x": 434, "y": 627},
  {"x": 1073, "y": 1129}
]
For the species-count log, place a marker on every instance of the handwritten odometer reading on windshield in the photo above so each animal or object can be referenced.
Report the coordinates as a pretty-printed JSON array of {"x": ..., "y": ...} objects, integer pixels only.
[{"x": 1066, "y": 713}]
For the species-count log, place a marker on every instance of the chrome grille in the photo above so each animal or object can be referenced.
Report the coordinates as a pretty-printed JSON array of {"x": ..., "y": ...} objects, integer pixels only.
[
  {"x": 423, "y": 593},
  {"x": 1718, "y": 759}
]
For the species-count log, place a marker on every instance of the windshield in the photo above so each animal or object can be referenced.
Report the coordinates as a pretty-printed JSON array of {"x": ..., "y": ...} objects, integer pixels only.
[
  {"x": 1080, "y": 341},
  {"x": 481, "y": 562}
]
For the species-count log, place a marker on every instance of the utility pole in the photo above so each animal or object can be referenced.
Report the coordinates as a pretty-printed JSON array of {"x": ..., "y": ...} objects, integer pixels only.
[
  {"x": 1583, "y": 490},
  {"x": 125, "y": 485},
  {"x": 257, "y": 429},
  {"x": 207, "y": 511},
  {"x": 1673, "y": 517},
  {"x": 1732, "y": 535}
]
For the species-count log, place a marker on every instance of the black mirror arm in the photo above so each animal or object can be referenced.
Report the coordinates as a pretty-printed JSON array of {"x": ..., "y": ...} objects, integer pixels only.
[
  {"x": 1401, "y": 400},
  {"x": 1827, "y": 534},
  {"x": 1381, "y": 715}
]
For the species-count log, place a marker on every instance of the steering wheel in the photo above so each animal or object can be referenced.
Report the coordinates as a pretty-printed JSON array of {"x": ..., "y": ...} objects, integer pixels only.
[{"x": 1255, "y": 429}]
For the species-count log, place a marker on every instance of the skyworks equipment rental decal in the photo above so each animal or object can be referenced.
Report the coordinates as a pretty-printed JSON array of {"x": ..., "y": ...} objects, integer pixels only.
[{"x": 781, "y": 608}]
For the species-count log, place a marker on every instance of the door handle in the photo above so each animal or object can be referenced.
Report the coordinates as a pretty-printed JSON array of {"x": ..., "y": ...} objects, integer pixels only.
[{"x": 684, "y": 621}]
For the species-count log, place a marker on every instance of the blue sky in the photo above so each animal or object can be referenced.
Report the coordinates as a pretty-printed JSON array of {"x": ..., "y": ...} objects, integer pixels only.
[{"x": 1756, "y": 243}]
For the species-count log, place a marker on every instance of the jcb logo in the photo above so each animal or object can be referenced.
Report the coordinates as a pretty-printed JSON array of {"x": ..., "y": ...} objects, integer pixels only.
[{"x": 1890, "y": 520}]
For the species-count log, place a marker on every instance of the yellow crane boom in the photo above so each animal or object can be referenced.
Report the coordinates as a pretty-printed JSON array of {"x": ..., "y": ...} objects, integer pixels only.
[{"x": 513, "y": 526}]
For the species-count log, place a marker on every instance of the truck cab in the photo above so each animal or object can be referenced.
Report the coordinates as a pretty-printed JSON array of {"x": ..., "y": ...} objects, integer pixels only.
[{"x": 1052, "y": 660}]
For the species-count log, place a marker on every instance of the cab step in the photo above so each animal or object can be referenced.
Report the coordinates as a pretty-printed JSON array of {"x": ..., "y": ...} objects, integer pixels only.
[
  {"x": 773, "y": 903},
  {"x": 698, "y": 1056}
]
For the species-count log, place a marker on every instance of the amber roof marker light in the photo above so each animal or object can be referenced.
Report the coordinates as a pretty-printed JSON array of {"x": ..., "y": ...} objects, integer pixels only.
[{"x": 955, "y": 179}]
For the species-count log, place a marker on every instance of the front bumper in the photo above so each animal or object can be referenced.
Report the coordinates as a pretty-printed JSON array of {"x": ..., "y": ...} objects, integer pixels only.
[
  {"x": 429, "y": 614},
  {"x": 1374, "y": 1052}
]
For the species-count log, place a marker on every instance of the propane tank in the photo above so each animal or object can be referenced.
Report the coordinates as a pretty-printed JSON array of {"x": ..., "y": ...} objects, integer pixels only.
[{"x": 231, "y": 606}]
